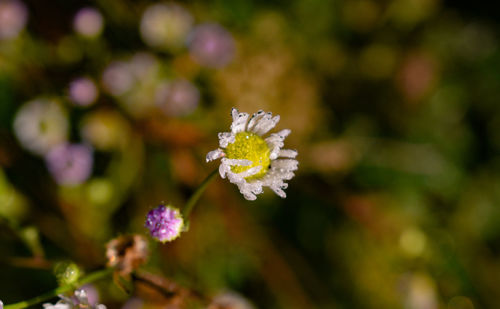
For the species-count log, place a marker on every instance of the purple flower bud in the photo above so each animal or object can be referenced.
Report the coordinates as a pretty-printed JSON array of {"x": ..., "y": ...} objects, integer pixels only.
[
  {"x": 70, "y": 164},
  {"x": 164, "y": 223}
]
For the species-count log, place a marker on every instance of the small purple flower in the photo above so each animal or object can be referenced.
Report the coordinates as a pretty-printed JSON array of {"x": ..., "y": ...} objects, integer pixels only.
[
  {"x": 70, "y": 164},
  {"x": 1, "y": 304},
  {"x": 211, "y": 45},
  {"x": 164, "y": 223}
]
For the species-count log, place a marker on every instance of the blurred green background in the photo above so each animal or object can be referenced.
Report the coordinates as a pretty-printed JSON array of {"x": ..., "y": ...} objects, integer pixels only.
[{"x": 393, "y": 107}]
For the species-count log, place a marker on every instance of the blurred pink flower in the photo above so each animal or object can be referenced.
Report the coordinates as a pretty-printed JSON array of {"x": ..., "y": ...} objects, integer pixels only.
[
  {"x": 83, "y": 91},
  {"x": 117, "y": 78},
  {"x": 13, "y": 18},
  {"x": 92, "y": 294},
  {"x": 177, "y": 98},
  {"x": 211, "y": 45},
  {"x": 70, "y": 164},
  {"x": 88, "y": 22}
]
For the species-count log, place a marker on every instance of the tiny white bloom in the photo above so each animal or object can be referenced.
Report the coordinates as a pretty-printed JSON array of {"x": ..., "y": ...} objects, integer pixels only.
[
  {"x": 78, "y": 301},
  {"x": 251, "y": 161}
]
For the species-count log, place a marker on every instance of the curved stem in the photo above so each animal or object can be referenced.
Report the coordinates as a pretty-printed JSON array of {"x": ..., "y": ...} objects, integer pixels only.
[
  {"x": 61, "y": 290},
  {"x": 196, "y": 195}
]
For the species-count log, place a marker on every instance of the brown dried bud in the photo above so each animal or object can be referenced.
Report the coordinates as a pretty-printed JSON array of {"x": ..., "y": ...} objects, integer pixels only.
[
  {"x": 230, "y": 300},
  {"x": 126, "y": 253}
]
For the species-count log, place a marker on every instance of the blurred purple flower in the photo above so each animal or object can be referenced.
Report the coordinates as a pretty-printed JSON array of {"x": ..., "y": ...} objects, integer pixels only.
[
  {"x": 133, "y": 303},
  {"x": 78, "y": 301},
  {"x": 164, "y": 223},
  {"x": 92, "y": 294},
  {"x": 177, "y": 98},
  {"x": 211, "y": 45},
  {"x": 70, "y": 164},
  {"x": 88, "y": 22},
  {"x": 13, "y": 18},
  {"x": 83, "y": 91}
]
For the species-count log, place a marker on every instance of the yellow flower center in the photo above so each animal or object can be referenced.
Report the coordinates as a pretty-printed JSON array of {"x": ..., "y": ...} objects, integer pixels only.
[{"x": 252, "y": 147}]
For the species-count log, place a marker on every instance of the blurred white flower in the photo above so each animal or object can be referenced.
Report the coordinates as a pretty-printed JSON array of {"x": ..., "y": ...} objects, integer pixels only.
[
  {"x": 231, "y": 300},
  {"x": 40, "y": 125},
  {"x": 165, "y": 26},
  {"x": 78, "y": 301}
]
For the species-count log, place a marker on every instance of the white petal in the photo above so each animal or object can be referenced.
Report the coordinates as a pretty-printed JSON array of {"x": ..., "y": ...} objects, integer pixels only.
[
  {"x": 235, "y": 178},
  {"x": 265, "y": 124},
  {"x": 286, "y": 164},
  {"x": 215, "y": 154},
  {"x": 240, "y": 123},
  {"x": 279, "y": 192},
  {"x": 276, "y": 176},
  {"x": 246, "y": 190},
  {"x": 234, "y": 113},
  {"x": 256, "y": 187},
  {"x": 58, "y": 305},
  {"x": 255, "y": 119},
  {"x": 288, "y": 153},
  {"x": 277, "y": 138},
  {"x": 274, "y": 153},
  {"x": 81, "y": 295},
  {"x": 249, "y": 196},
  {"x": 275, "y": 142},
  {"x": 241, "y": 162},
  {"x": 224, "y": 169},
  {"x": 225, "y": 138},
  {"x": 250, "y": 172},
  {"x": 270, "y": 124},
  {"x": 263, "y": 119},
  {"x": 284, "y": 133}
]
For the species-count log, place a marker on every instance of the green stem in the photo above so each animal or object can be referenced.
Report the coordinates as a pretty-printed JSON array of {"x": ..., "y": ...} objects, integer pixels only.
[
  {"x": 196, "y": 195},
  {"x": 61, "y": 290}
]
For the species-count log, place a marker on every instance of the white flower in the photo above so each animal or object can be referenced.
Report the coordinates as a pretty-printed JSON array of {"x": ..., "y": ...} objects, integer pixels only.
[
  {"x": 79, "y": 301},
  {"x": 40, "y": 125},
  {"x": 252, "y": 162}
]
